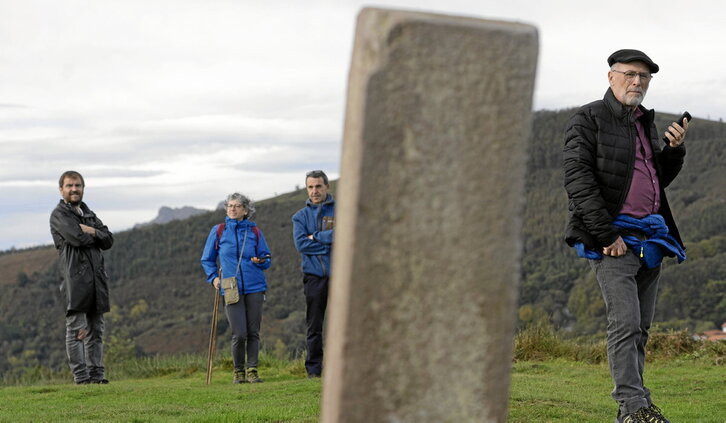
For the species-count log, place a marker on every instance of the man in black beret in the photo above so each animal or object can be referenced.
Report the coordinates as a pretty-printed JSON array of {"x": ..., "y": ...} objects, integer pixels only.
[{"x": 615, "y": 170}]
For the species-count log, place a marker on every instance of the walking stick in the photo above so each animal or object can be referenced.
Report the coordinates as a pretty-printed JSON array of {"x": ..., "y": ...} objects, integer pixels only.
[{"x": 213, "y": 336}]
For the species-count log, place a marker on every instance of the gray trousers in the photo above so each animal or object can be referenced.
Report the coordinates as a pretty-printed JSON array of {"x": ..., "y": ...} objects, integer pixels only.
[
  {"x": 629, "y": 290},
  {"x": 85, "y": 356},
  {"x": 245, "y": 318}
]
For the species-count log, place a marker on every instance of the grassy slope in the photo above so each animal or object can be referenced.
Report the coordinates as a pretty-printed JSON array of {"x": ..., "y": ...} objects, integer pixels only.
[
  {"x": 27, "y": 261},
  {"x": 165, "y": 399},
  {"x": 549, "y": 391},
  {"x": 566, "y": 391}
]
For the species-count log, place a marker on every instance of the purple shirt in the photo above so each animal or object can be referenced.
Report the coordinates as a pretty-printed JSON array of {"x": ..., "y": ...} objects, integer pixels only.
[{"x": 644, "y": 194}]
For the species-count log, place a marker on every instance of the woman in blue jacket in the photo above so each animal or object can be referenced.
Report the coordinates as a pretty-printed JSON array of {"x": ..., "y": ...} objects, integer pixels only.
[{"x": 244, "y": 255}]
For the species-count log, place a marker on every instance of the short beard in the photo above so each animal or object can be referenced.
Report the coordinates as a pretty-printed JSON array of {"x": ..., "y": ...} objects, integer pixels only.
[
  {"x": 635, "y": 100},
  {"x": 76, "y": 203}
]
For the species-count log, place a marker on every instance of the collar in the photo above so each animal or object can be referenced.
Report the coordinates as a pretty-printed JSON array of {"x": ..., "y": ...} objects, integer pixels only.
[
  {"x": 622, "y": 112},
  {"x": 328, "y": 200}
]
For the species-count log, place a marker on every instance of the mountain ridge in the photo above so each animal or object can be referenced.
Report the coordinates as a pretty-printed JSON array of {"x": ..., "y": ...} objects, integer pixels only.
[
  {"x": 162, "y": 304},
  {"x": 167, "y": 214}
]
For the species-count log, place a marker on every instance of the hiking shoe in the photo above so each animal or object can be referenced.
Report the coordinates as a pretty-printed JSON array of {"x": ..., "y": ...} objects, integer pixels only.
[
  {"x": 655, "y": 415},
  {"x": 252, "y": 376},
  {"x": 642, "y": 415},
  {"x": 239, "y": 376}
]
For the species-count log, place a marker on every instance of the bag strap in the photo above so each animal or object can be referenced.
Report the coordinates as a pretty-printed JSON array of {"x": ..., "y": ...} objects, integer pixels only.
[
  {"x": 241, "y": 253},
  {"x": 220, "y": 230}
]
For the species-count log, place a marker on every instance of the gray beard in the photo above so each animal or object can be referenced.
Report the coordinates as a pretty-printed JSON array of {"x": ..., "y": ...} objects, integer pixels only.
[{"x": 634, "y": 101}]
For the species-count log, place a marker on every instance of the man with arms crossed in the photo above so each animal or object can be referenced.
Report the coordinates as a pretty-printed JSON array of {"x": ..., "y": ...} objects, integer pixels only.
[
  {"x": 312, "y": 228},
  {"x": 616, "y": 168},
  {"x": 79, "y": 236}
]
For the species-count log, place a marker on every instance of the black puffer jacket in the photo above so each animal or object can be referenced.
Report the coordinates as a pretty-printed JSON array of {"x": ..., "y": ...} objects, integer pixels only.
[
  {"x": 599, "y": 157},
  {"x": 84, "y": 277}
]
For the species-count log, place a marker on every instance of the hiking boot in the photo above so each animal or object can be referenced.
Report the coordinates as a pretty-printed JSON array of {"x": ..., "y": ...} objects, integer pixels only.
[
  {"x": 252, "y": 376},
  {"x": 655, "y": 415},
  {"x": 639, "y": 416},
  {"x": 651, "y": 414},
  {"x": 239, "y": 376}
]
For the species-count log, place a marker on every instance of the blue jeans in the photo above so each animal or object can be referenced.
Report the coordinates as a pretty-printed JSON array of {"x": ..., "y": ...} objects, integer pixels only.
[
  {"x": 629, "y": 290},
  {"x": 85, "y": 356},
  {"x": 245, "y": 318}
]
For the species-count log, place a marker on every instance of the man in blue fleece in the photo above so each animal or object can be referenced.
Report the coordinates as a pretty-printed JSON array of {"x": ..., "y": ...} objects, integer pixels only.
[{"x": 312, "y": 228}]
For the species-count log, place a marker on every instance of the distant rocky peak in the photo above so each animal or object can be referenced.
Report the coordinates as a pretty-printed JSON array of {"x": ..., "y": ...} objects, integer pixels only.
[{"x": 167, "y": 214}]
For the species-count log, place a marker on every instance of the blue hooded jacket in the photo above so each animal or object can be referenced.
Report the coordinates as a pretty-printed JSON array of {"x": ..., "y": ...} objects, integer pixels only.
[
  {"x": 659, "y": 242},
  {"x": 250, "y": 276},
  {"x": 309, "y": 221}
]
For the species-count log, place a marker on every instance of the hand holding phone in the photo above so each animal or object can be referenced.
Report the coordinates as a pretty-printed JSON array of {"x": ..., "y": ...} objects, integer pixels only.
[{"x": 686, "y": 116}]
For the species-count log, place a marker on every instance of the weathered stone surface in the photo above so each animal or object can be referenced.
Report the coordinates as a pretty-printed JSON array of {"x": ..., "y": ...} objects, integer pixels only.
[{"x": 427, "y": 243}]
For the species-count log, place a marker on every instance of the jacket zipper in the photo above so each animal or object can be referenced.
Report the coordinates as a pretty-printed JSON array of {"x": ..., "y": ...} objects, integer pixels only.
[
  {"x": 319, "y": 225},
  {"x": 631, "y": 164},
  {"x": 241, "y": 265}
]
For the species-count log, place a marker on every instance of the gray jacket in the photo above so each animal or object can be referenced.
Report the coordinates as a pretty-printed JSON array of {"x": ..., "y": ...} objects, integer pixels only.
[{"x": 85, "y": 281}]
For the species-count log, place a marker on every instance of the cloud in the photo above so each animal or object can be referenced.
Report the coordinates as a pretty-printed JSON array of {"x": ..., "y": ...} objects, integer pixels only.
[
  {"x": 179, "y": 103},
  {"x": 12, "y": 106}
]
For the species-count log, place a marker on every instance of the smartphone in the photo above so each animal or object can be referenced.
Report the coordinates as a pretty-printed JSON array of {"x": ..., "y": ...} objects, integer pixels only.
[{"x": 685, "y": 115}]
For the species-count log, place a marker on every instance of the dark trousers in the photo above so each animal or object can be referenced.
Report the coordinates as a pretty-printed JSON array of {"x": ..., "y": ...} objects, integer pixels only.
[
  {"x": 245, "y": 318},
  {"x": 316, "y": 298},
  {"x": 629, "y": 290}
]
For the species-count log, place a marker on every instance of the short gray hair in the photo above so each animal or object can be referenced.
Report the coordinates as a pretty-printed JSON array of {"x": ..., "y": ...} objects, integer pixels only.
[
  {"x": 317, "y": 174},
  {"x": 244, "y": 200}
]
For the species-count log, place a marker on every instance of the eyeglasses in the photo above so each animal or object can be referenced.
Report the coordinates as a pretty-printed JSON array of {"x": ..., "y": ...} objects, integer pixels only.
[
  {"x": 235, "y": 206},
  {"x": 630, "y": 75}
]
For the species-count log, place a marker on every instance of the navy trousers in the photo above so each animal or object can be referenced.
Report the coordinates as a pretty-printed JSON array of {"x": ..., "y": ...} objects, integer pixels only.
[{"x": 316, "y": 298}]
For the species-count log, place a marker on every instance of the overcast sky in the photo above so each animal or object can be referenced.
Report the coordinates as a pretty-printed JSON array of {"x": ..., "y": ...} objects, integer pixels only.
[{"x": 177, "y": 103}]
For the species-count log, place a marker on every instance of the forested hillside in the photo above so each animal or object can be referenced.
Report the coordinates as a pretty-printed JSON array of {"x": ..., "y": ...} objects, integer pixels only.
[
  {"x": 558, "y": 286},
  {"x": 161, "y": 303}
]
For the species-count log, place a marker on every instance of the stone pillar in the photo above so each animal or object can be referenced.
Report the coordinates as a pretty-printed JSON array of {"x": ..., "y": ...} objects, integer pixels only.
[{"x": 429, "y": 215}]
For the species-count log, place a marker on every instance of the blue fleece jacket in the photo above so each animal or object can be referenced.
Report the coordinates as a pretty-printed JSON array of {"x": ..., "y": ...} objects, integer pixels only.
[
  {"x": 309, "y": 221},
  {"x": 250, "y": 276},
  {"x": 651, "y": 250}
]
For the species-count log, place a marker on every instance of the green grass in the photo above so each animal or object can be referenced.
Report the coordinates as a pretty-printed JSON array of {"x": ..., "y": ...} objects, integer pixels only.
[
  {"x": 553, "y": 380},
  {"x": 165, "y": 399},
  {"x": 549, "y": 391},
  {"x": 168, "y": 389},
  {"x": 687, "y": 391}
]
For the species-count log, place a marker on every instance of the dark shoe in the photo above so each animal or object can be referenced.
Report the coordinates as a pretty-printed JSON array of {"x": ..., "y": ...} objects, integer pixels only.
[
  {"x": 239, "y": 376},
  {"x": 252, "y": 376},
  {"x": 655, "y": 415},
  {"x": 313, "y": 376},
  {"x": 100, "y": 381},
  {"x": 639, "y": 416}
]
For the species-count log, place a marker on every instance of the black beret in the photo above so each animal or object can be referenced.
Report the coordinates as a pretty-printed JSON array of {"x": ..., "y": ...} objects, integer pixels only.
[{"x": 627, "y": 55}]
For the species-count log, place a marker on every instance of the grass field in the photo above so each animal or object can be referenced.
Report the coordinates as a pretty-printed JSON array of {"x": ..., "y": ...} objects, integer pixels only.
[
  {"x": 688, "y": 391},
  {"x": 566, "y": 391}
]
